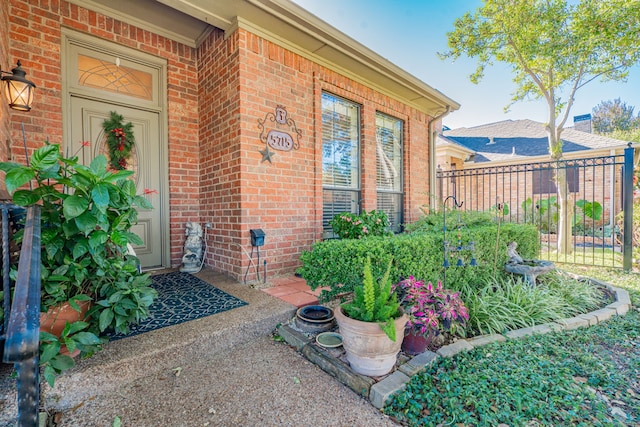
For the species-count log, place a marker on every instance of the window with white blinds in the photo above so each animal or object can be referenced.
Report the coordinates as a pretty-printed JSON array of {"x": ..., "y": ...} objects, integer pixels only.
[
  {"x": 389, "y": 164},
  {"x": 340, "y": 158}
]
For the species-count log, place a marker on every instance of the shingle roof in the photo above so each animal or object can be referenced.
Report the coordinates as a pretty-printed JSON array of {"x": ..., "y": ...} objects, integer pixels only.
[
  {"x": 521, "y": 139},
  {"x": 443, "y": 141}
]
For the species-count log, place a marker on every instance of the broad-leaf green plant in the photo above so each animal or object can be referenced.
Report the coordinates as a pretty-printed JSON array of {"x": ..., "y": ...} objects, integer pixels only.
[
  {"x": 75, "y": 336},
  {"x": 592, "y": 210},
  {"x": 87, "y": 215}
]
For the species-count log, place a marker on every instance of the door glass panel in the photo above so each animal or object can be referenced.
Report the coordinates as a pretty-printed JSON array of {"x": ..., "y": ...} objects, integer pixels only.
[{"x": 114, "y": 77}]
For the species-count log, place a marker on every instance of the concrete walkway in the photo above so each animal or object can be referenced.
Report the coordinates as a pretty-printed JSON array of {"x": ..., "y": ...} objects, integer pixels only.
[
  {"x": 260, "y": 383},
  {"x": 221, "y": 370}
]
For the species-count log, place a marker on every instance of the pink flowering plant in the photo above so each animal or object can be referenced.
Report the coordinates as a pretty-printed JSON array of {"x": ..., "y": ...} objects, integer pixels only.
[
  {"x": 432, "y": 310},
  {"x": 352, "y": 226}
]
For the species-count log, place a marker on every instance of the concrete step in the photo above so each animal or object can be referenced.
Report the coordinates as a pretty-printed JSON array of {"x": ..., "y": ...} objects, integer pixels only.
[{"x": 129, "y": 359}]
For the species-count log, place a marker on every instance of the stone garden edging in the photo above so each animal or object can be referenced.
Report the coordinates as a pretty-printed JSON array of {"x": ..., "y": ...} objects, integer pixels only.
[{"x": 378, "y": 390}]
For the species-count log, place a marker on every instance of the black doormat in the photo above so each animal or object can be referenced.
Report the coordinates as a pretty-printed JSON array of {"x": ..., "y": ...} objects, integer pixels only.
[{"x": 181, "y": 297}]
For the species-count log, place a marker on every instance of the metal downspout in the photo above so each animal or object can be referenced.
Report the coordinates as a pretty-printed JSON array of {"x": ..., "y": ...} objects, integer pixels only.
[{"x": 432, "y": 156}]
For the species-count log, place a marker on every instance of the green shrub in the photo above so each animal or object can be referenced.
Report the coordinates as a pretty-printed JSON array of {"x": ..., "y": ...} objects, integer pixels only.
[
  {"x": 337, "y": 264},
  {"x": 543, "y": 213},
  {"x": 434, "y": 222}
]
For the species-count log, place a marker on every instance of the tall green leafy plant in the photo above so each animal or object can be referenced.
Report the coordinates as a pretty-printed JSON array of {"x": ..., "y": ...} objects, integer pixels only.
[
  {"x": 375, "y": 301},
  {"x": 543, "y": 213},
  {"x": 87, "y": 215}
]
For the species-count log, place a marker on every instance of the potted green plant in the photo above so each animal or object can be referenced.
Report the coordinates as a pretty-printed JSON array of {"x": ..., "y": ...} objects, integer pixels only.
[
  {"x": 432, "y": 311},
  {"x": 371, "y": 325},
  {"x": 87, "y": 214}
]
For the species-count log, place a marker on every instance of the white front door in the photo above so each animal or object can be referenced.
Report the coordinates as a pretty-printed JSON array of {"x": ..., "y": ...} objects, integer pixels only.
[{"x": 86, "y": 125}]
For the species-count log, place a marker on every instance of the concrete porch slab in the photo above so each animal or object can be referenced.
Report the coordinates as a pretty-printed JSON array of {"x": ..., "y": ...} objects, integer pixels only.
[{"x": 129, "y": 359}]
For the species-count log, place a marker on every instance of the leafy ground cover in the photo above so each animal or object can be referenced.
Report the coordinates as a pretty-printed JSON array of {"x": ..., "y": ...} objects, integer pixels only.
[{"x": 586, "y": 377}]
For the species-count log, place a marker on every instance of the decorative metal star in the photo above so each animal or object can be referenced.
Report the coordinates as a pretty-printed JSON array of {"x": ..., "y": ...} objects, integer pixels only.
[{"x": 267, "y": 154}]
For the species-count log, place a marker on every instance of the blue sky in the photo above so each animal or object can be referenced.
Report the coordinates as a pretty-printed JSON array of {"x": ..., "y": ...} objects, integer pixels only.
[{"x": 409, "y": 33}]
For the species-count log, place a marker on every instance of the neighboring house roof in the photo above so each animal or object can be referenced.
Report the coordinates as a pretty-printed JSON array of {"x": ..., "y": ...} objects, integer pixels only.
[
  {"x": 285, "y": 24},
  {"x": 449, "y": 147},
  {"x": 523, "y": 140}
]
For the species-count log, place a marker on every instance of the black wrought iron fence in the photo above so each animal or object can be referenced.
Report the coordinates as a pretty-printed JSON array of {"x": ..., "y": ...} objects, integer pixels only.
[
  {"x": 21, "y": 310},
  {"x": 600, "y": 198}
]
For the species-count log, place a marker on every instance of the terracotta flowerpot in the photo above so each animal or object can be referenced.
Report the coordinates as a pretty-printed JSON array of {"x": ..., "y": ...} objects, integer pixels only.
[
  {"x": 56, "y": 318},
  {"x": 414, "y": 343},
  {"x": 369, "y": 350}
]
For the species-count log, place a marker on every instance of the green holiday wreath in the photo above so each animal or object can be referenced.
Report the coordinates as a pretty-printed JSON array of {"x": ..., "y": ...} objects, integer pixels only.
[{"x": 120, "y": 140}]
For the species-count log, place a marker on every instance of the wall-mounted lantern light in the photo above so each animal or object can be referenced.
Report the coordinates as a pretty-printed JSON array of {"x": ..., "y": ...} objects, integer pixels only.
[{"x": 18, "y": 90}]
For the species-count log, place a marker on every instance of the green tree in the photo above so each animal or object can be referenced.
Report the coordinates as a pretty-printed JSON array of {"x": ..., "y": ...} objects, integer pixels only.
[
  {"x": 609, "y": 116},
  {"x": 554, "y": 48},
  {"x": 632, "y": 135}
]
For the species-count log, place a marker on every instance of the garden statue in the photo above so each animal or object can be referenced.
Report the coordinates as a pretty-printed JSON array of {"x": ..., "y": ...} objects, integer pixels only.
[
  {"x": 529, "y": 268},
  {"x": 514, "y": 257},
  {"x": 192, "y": 258}
]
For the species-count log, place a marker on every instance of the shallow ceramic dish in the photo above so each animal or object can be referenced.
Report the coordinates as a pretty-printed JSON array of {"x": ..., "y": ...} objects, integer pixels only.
[
  {"x": 315, "y": 314},
  {"x": 329, "y": 339}
]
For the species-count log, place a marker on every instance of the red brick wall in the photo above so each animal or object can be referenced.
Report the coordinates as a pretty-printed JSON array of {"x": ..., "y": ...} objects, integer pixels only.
[
  {"x": 35, "y": 38},
  {"x": 216, "y": 94},
  {"x": 5, "y": 61},
  {"x": 244, "y": 82},
  {"x": 277, "y": 197},
  {"x": 220, "y": 156}
]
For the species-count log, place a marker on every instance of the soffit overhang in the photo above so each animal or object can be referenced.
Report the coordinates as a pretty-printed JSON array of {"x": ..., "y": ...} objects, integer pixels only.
[
  {"x": 453, "y": 152},
  {"x": 286, "y": 24}
]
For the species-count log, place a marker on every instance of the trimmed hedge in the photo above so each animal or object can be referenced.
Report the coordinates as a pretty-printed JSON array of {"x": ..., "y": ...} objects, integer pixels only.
[{"x": 338, "y": 264}]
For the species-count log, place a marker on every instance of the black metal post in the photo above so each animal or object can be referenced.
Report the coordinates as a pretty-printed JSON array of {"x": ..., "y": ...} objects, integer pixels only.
[
  {"x": 22, "y": 345},
  {"x": 444, "y": 228},
  {"x": 6, "y": 254},
  {"x": 627, "y": 208}
]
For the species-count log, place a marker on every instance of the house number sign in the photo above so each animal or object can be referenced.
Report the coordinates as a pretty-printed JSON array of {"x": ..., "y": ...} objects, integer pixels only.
[
  {"x": 278, "y": 131},
  {"x": 279, "y": 140}
]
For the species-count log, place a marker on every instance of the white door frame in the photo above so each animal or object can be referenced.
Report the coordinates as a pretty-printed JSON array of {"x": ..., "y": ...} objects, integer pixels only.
[{"x": 72, "y": 39}]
